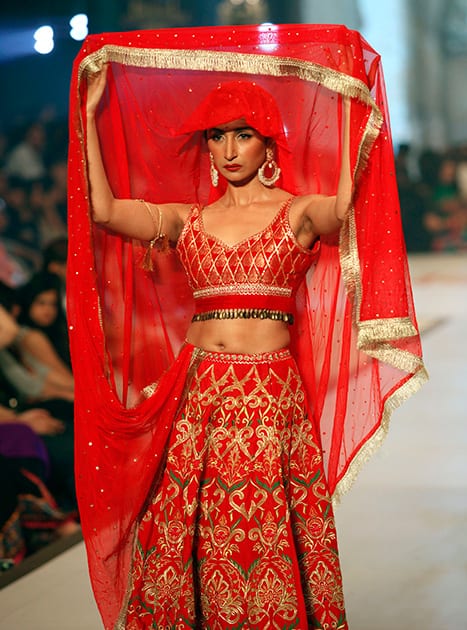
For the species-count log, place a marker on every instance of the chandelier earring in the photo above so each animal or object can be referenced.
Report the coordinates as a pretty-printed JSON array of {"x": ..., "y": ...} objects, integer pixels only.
[
  {"x": 269, "y": 172},
  {"x": 214, "y": 172}
]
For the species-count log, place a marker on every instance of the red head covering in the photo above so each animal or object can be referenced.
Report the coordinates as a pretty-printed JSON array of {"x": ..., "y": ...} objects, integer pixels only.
[{"x": 237, "y": 100}]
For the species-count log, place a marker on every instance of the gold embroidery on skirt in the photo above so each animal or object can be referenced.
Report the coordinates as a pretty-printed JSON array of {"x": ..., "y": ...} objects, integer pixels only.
[{"x": 241, "y": 529}]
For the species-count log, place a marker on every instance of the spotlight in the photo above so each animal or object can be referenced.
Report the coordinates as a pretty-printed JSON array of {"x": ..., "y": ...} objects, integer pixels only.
[
  {"x": 79, "y": 27},
  {"x": 268, "y": 37},
  {"x": 44, "y": 40}
]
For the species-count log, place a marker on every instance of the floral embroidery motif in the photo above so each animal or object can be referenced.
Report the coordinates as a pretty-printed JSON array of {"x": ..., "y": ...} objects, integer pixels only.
[{"x": 240, "y": 532}]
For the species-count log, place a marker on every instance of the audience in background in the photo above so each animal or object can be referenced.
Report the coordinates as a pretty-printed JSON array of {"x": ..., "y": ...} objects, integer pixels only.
[
  {"x": 41, "y": 308},
  {"x": 32, "y": 364},
  {"x": 33, "y": 377},
  {"x": 25, "y": 160},
  {"x": 29, "y": 514},
  {"x": 434, "y": 200}
]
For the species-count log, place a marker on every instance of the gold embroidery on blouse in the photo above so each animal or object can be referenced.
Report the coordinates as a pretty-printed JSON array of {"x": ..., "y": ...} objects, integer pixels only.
[{"x": 243, "y": 289}]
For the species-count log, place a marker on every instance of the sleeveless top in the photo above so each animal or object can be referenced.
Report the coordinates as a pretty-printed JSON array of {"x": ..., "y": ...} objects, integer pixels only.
[{"x": 263, "y": 270}]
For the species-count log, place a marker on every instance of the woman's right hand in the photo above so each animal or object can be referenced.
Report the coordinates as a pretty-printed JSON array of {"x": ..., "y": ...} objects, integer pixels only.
[{"x": 96, "y": 86}]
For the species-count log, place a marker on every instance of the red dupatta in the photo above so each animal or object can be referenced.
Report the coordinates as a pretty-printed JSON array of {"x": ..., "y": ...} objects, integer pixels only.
[{"x": 355, "y": 338}]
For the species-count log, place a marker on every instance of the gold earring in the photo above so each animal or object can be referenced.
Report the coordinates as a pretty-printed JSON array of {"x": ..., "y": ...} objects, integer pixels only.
[
  {"x": 271, "y": 165},
  {"x": 214, "y": 172}
]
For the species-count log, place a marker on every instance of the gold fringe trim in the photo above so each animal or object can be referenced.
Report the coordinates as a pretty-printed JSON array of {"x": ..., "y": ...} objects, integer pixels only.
[
  {"x": 219, "y": 61},
  {"x": 377, "y": 329},
  {"x": 372, "y": 130},
  {"x": 373, "y": 335},
  {"x": 400, "y": 359},
  {"x": 350, "y": 263},
  {"x": 371, "y": 446}
]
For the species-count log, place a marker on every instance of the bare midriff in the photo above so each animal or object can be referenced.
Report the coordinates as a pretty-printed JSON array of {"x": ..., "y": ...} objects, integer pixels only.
[{"x": 239, "y": 336}]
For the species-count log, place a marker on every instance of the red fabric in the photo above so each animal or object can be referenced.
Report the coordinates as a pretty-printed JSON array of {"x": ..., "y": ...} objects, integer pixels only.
[
  {"x": 244, "y": 471},
  {"x": 261, "y": 271},
  {"x": 355, "y": 336}
]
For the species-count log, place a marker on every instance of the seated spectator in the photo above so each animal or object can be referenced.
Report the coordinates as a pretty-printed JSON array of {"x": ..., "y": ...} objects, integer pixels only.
[
  {"x": 54, "y": 258},
  {"x": 54, "y": 261},
  {"x": 31, "y": 364},
  {"x": 20, "y": 224},
  {"x": 445, "y": 219},
  {"x": 25, "y": 160},
  {"x": 41, "y": 309},
  {"x": 49, "y": 208},
  {"x": 25, "y": 388}
]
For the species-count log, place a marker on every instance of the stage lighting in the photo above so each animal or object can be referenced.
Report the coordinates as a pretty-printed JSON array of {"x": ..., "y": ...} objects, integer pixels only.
[
  {"x": 44, "y": 40},
  {"x": 79, "y": 26},
  {"x": 268, "y": 38}
]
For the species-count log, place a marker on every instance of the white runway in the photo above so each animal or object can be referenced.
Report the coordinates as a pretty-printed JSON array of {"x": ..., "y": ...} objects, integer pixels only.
[{"x": 402, "y": 527}]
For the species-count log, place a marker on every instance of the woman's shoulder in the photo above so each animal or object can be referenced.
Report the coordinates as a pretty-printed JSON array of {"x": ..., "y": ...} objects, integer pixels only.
[
  {"x": 178, "y": 213},
  {"x": 305, "y": 200}
]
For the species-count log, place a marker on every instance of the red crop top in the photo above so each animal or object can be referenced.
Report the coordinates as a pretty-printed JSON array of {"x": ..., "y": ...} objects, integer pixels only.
[{"x": 263, "y": 270}]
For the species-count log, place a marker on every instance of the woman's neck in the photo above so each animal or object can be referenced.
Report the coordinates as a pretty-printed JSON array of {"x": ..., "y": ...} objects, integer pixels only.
[{"x": 246, "y": 194}]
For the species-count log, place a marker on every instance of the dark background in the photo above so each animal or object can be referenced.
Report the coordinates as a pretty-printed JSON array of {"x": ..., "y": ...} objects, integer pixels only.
[{"x": 35, "y": 85}]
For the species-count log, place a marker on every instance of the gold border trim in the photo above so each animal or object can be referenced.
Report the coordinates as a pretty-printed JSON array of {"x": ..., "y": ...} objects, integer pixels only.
[
  {"x": 372, "y": 330},
  {"x": 215, "y": 60},
  {"x": 396, "y": 399}
]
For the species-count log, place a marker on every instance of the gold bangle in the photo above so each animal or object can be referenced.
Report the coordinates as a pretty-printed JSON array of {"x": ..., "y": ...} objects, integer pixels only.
[
  {"x": 158, "y": 238},
  {"x": 157, "y": 225}
]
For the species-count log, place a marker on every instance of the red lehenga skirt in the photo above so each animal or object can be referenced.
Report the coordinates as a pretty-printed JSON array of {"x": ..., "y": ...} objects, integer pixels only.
[{"x": 239, "y": 532}]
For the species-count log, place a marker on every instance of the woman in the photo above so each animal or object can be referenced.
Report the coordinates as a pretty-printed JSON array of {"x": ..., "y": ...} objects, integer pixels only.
[
  {"x": 32, "y": 363},
  {"x": 41, "y": 309},
  {"x": 35, "y": 381},
  {"x": 215, "y": 534},
  {"x": 226, "y": 520}
]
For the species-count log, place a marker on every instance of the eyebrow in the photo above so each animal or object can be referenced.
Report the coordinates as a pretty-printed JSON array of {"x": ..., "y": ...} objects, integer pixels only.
[{"x": 219, "y": 130}]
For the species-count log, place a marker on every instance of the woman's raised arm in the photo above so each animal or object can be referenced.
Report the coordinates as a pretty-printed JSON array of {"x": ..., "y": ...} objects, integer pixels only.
[
  {"x": 132, "y": 217},
  {"x": 326, "y": 214}
]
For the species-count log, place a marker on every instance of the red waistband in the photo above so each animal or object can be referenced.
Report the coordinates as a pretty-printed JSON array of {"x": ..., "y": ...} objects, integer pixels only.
[{"x": 273, "y": 302}]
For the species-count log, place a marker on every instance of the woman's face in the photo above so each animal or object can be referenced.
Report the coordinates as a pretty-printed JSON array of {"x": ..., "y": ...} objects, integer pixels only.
[
  {"x": 238, "y": 150},
  {"x": 44, "y": 309}
]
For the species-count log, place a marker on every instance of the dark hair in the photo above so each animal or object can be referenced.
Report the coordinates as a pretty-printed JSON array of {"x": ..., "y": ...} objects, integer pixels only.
[
  {"x": 56, "y": 251},
  {"x": 57, "y": 331},
  {"x": 8, "y": 297},
  {"x": 40, "y": 282}
]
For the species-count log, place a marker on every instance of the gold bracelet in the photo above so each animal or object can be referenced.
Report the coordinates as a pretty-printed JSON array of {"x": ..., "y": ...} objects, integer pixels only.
[
  {"x": 157, "y": 225},
  {"x": 159, "y": 237}
]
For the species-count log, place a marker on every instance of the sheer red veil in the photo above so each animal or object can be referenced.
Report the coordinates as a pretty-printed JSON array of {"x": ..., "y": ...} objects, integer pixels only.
[{"x": 355, "y": 335}]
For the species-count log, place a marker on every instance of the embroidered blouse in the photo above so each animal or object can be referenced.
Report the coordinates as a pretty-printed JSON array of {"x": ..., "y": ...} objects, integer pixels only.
[{"x": 263, "y": 270}]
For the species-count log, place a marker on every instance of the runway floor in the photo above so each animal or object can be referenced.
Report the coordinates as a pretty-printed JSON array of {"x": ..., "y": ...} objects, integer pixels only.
[{"x": 403, "y": 526}]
